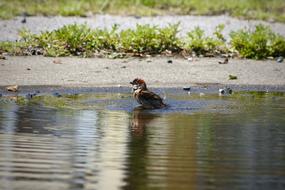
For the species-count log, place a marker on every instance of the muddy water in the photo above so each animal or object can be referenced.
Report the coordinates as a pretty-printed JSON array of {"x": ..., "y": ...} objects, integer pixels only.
[{"x": 103, "y": 142}]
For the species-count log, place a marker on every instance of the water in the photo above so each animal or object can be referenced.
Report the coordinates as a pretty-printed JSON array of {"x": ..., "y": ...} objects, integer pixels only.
[{"x": 102, "y": 141}]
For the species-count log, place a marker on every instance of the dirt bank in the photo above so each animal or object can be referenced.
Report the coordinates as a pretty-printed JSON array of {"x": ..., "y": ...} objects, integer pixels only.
[{"x": 97, "y": 72}]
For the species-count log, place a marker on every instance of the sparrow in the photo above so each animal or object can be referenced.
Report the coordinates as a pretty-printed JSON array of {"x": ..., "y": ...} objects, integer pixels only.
[
  {"x": 140, "y": 120},
  {"x": 146, "y": 98}
]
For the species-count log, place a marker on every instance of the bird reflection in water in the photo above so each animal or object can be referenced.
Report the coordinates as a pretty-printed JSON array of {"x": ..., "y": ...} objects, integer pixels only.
[
  {"x": 138, "y": 148},
  {"x": 140, "y": 119}
]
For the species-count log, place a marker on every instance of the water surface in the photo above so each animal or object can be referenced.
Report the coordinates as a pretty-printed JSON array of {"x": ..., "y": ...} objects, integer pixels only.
[{"x": 102, "y": 141}]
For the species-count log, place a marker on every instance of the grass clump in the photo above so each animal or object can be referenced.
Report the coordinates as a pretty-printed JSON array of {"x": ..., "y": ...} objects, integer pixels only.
[
  {"x": 81, "y": 40},
  {"x": 258, "y": 44},
  {"x": 13, "y": 48},
  {"x": 150, "y": 39},
  {"x": 204, "y": 45},
  {"x": 232, "y": 77}
]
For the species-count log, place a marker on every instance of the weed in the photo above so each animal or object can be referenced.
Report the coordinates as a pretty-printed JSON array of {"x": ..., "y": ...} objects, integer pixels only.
[
  {"x": 68, "y": 40},
  {"x": 258, "y": 44},
  {"x": 201, "y": 44},
  {"x": 72, "y": 39},
  {"x": 150, "y": 39},
  {"x": 13, "y": 48},
  {"x": 80, "y": 40},
  {"x": 232, "y": 77}
]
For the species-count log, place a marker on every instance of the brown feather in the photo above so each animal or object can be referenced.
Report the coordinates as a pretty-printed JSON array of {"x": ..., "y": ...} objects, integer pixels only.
[
  {"x": 145, "y": 97},
  {"x": 148, "y": 99}
]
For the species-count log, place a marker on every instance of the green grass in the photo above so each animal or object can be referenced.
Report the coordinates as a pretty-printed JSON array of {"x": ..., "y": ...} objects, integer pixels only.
[
  {"x": 249, "y": 9},
  {"x": 80, "y": 40}
]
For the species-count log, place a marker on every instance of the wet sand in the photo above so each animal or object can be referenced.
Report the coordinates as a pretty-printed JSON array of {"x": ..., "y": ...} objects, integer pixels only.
[{"x": 101, "y": 72}]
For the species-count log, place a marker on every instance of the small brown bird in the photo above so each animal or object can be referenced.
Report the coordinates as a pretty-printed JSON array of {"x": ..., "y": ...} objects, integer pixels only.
[{"x": 146, "y": 98}]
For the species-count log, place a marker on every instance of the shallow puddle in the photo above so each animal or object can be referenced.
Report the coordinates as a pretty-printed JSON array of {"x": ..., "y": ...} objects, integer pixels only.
[{"x": 102, "y": 141}]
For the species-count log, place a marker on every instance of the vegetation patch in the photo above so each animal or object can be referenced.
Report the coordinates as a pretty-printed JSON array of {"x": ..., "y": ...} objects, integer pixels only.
[
  {"x": 149, "y": 39},
  {"x": 232, "y": 77},
  {"x": 203, "y": 45},
  {"x": 49, "y": 101},
  {"x": 249, "y": 9},
  {"x": 81, "y": 40},
  {"x": 258, "y": 44}
]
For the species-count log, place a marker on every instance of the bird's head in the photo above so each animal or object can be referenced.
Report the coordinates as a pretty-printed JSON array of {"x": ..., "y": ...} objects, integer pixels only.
[{"x": 138, "y": 84}]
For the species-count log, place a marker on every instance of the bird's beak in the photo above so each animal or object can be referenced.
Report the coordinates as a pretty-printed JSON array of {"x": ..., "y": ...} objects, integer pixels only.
[{"x": 131, "y": 83}]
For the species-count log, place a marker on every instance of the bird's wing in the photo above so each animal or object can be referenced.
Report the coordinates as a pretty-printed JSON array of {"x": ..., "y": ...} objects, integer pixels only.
[{"x": 149, "y": 95}]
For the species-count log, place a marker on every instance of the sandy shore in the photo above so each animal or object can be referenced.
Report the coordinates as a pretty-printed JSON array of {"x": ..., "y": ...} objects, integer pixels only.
[
  {"x": 98, "y": 72},
  {"x": 9, "y": 28}
]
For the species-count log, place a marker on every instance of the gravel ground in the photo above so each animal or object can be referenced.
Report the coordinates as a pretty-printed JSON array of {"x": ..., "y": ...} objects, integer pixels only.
[
  {"x": 9, "y": 28},
  {"x": 98, "y": 72}
]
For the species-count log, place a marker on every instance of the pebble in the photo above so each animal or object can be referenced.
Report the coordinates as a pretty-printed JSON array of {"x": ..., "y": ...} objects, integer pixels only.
[
  {"x": 221, "y": 91},
  {"x": 230, "y": 91},
  {"x": 24, "y": 20},
  {"x": 225, "y": 61},
  {"x": 31, "y": 95},
  {"x": 168, "y": 52},
  {"x": 57, "y": 61},
  {"x": 169, "y": 61},
  {"x": 190, "y": 59},
  {"x": 3, "y": 57},
  {"x": 225, "y": 91},
  {"x": 280, "y": 59},
  {"x": 56, "y": 94},
  {"x": 202, "y": 94},
  {"x": 187, "y": 88}
]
